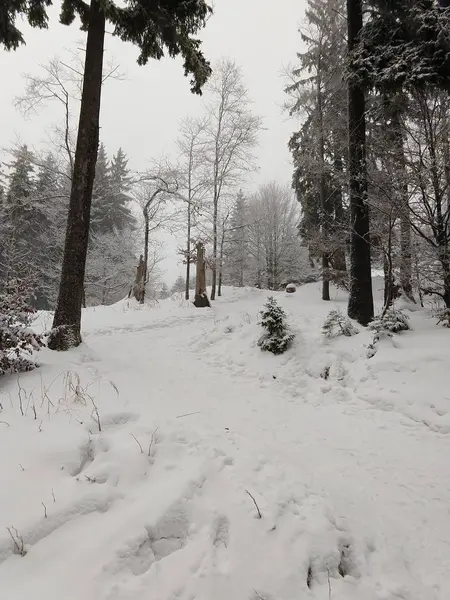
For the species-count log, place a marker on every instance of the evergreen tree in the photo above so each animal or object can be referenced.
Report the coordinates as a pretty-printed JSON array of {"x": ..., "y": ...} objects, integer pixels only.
[
  {"x": 153, "y": 27},
  {"x": 17, "y": 340},
  {"x": 319, "y": 148},
  {"x": 119, "y": 186},
  {"x": 277, "y": 338},
  {"x": 33, "y": 11},
  {"x": 18, "y": 218},
  {"x": 101, "y": 208},
  {"x": 164, "y": 292},
  {"x": 178, "y": 286}
]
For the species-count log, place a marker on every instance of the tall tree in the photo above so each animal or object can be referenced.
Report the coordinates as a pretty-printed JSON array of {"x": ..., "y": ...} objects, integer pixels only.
[
  {"x": 152, "y": 27},
  {"x": 360, "y": 302},
  {"x": 194, "y": 183},
  {"x": 318, "y": 96},
  {"x": 231, "y": 136}
]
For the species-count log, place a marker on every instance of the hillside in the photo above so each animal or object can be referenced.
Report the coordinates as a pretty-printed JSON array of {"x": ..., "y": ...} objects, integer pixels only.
[{"x": 344, "y": 457}]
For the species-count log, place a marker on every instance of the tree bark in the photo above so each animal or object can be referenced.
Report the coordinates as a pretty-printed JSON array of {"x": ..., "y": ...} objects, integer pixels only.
[
  {"x": 188, "y": 252},
  {"x": 324, "y": 205},
  {"x": 201, "y": 298},
  {"x": 214, "y": 261},
  {"x": 360, "y": 302},
  {"x": 66, "y": 331}
]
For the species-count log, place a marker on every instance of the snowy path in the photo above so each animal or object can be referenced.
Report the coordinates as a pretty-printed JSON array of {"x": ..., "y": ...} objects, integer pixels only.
[{"x": 353, "y": 491}]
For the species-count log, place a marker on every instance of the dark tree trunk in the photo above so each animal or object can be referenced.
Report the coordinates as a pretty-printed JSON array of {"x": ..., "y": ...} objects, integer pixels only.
[
  {"x": 66, "y": 331},
  {"x": 360, "y": 302}
]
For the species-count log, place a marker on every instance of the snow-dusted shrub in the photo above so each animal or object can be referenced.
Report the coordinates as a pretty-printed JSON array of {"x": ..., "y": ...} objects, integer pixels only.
[
  {"x": 443, "y": 317},
  {"x": 17, "y": 340},
  {"x": 338, "y": 324},
  {"x": 277, "y": 338},
  {"x": 290, "y": 288},
  {"x": 393, "y": 321}
]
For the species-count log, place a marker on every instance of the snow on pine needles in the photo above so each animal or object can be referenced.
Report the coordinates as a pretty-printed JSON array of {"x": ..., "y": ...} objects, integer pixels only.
[{"x": 168, "y": 457}]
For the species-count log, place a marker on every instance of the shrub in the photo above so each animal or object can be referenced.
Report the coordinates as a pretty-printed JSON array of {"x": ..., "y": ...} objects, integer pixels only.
[
  {"x": 337, "y": 324},
  {"x": 17, "y": 341},
  {"x": 277, "y": 338},
  {"x": 393, "y": 321},
  {"x": 443, "y": 317}
]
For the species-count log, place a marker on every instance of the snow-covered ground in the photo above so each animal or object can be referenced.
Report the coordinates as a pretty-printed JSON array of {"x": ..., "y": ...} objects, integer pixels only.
[{"x": 346, "y": 458}]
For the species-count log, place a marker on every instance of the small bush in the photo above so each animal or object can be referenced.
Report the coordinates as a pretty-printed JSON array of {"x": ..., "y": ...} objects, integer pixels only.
[
  {"x": 17, "y": 341},
  {"x": 290, "y": 288},
  {"x": 277, "y": 337},
  {"x": 338, "y": 324},
  {"x": 393, "y": 321},
  {"x": 443, "y": 317}
]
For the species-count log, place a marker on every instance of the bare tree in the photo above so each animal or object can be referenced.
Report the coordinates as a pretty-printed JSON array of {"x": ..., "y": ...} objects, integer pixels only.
[
  {"x": 231, "y": 135},
  {"x": 60, "y": 81},
  {"x": 152, "y": 194},
  {"x": 274, "y": 241},
  {"x": 426, "y": 156},
  {"x": 194, "y": 185}
]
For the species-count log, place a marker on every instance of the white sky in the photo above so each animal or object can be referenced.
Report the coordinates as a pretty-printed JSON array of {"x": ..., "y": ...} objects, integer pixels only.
[{"x": 141, "y": 114}]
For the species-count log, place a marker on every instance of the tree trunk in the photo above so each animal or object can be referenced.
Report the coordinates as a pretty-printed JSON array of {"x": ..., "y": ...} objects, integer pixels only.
[
  {"x": 339, "y": 262},
  {"x": 201, "y": 298},
  {"x": 405, "y": 223},
  {"x": 139, "y": 283},
  {"x": 214, "y": 261},
  {"x": 360, "y": 302},
  {"x": 222, "y": 243},
  {"x": 66, "y": 331},
  {"x": 325, "y": 225},
  {"x": 188, "y": 251}
]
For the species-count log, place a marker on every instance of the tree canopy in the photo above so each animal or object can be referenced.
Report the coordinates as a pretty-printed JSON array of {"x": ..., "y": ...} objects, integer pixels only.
[{"x": 154, "y": 27}]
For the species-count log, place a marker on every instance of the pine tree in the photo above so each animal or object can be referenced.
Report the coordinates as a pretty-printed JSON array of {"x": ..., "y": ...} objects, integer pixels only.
[
  {"x": 18, "y": 218},
  {"x": 17, "y": 340},
  {"x": 164, "y": 292},
  {"x": 153, "y": 27},
  {"x": 119, "y": 186},
  {"x": 319, "y": 147},
  {"x": 277, "y": 337},
  {"x": 178, "y": 286},
  {"x": 101, "y": 208},
  {"x": 33, "y": 11}
]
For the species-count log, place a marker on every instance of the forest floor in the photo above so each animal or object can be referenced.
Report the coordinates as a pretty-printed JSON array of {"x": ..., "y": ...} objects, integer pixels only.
[{"x": 168, "y": 458}]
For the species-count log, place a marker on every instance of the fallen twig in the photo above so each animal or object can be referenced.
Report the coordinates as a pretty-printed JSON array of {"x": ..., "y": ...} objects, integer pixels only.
[
  {"x": 137, "y": 442},
  {"x": 255, "y": 503}
]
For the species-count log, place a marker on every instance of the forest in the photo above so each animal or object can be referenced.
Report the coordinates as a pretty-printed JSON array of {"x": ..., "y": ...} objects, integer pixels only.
[{"x": 371, "y": 166}]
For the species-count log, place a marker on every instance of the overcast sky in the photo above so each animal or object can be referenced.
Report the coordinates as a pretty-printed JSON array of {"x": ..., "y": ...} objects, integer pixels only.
[{"x": 142, "y": 112}]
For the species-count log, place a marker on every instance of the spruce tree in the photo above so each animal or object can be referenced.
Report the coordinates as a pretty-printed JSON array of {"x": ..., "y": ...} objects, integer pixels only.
[
  {"x": 119, "y": 187},
  {"x": 277, "y": 338},
  {"x": 154, "y": 28},
  {"x": 33, "y": 11}
]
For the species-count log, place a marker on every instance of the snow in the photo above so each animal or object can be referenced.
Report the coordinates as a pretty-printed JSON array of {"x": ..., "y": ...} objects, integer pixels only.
[{"x": 346, "y": 458}]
